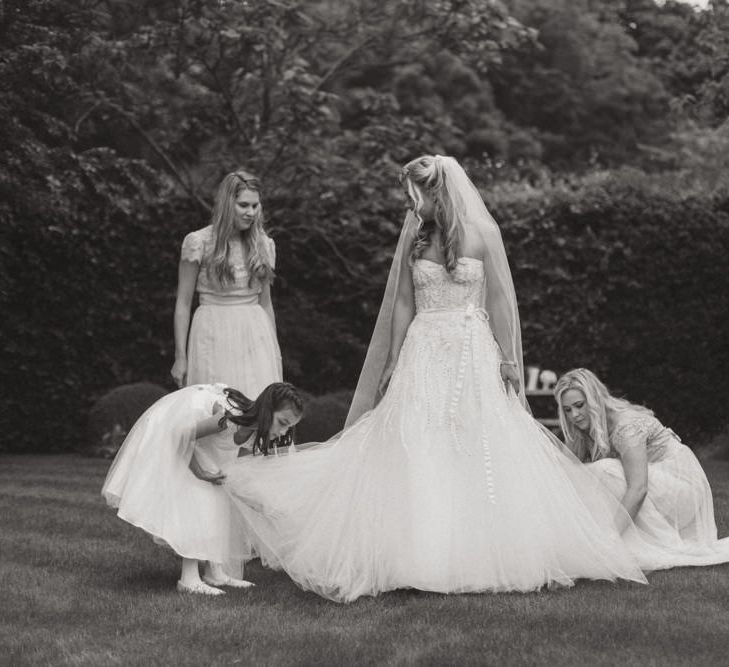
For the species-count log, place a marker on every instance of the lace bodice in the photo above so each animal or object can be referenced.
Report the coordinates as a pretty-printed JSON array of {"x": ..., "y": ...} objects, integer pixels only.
[
  {"x": 198, "y": 247},
  {"x": 436, "y": 289},
  {"x": 642, "y": 430}
]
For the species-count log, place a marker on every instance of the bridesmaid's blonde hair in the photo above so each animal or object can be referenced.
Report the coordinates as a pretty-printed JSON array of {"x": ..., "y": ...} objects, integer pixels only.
[
  {"x": 596, "y": 444},
  {"x": 258, "y": 260}
]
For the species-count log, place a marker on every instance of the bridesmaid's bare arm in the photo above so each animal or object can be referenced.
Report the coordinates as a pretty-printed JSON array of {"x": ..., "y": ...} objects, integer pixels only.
[
  {"x": 635, "y": 467},
  {"x": 186, "y": 282},
  {"x": 267, "y": 303},
  {"x": 206, "y": 427}
]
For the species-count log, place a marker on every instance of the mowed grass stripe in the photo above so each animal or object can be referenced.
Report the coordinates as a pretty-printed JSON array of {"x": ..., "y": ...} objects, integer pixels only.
[{"x": 81, "y": 587}]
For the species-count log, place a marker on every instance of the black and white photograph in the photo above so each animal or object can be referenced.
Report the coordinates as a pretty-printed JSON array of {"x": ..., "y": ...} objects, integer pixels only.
[{"x": 364, "y": 332}]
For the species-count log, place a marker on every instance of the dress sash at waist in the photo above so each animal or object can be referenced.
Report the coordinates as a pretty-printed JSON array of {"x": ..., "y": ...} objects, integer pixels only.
[
  {"x": 221, "y": 300},
  {"x": 469, "y": 311}
]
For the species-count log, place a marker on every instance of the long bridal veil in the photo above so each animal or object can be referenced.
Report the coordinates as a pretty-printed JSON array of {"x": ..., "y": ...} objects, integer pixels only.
[{"x": 498, "y": 294}]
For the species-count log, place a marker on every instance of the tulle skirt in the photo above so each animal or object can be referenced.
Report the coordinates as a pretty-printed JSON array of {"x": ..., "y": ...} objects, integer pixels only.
[
  {"x": 448, "y": 485},
  {"x": 235, "y": 345},
  {"x": 152, "y": 487},
  {"x": 675, "y": 524}
]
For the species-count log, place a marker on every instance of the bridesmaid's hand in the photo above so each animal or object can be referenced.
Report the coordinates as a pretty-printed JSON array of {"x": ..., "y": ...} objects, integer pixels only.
[
  {"x": 264, "y": 510},
  {"x": 510, "y": 376},
  {"x": 179, "y": 372},
  {"x": 217, "y": 477},
  {"x": 622, "y": 521}
]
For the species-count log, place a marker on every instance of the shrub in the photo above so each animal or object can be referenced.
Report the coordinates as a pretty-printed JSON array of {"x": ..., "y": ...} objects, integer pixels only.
[
  {"x": 324, "y": 416},
  {"x": 113, "y": 415}
]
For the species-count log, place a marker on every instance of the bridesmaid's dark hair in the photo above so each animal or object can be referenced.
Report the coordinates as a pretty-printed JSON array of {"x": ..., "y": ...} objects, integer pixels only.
[{"x": 259, "y": 413}]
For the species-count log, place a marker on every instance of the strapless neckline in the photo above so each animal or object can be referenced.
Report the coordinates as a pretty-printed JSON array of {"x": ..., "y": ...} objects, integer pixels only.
[{"x": 460, "y": 259}]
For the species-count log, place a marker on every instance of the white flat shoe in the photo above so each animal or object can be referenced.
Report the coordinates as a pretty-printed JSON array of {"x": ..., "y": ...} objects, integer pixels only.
[
  {"x": 200, "y": 588},
  {"x": 228, "y": 581}
]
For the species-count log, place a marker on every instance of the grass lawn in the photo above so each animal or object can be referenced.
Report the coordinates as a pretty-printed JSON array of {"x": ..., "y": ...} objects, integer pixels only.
[{"x": 80, "y": 587}]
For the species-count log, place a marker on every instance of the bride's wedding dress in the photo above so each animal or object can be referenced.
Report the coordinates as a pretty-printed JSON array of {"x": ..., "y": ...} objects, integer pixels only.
[{"x": 447, "y": 485}]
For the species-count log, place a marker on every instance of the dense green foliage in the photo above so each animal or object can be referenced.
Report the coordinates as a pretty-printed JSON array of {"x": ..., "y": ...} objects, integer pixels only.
[
  {"x": 597, "y": 131},
  {"x": 630, "y": 281}
]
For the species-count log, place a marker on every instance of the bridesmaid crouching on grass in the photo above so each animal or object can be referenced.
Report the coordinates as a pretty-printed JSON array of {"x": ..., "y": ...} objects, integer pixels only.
[
  {"x": 167, "y": 477},
  {"x": 658, "y": 480}
]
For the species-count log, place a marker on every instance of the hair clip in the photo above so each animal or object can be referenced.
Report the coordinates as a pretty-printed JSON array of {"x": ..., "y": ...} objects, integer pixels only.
[{"x": 247, "y": 181}]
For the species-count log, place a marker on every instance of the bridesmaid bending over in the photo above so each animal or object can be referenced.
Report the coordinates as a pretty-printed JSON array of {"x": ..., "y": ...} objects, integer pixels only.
[
  {"x": 657, "y": 478},
  {"x": 167, "y": 477}
]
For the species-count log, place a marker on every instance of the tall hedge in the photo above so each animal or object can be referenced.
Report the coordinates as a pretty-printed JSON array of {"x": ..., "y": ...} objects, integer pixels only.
[
  {"x": 613, "y": 273},
  {"x": 626, "y": 276}
]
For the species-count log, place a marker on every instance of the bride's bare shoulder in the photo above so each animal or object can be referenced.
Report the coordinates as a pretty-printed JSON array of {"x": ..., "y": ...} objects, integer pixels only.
[{"x": 473, "y": 245}]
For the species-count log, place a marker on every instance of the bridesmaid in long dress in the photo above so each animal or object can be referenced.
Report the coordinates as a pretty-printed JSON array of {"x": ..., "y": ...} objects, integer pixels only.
[
  {"x": 232, "y": 336},
  {"x": 656, "y": 478},
  {"x": 166, "y": 479},
  {"x": 230, "y": 264}
]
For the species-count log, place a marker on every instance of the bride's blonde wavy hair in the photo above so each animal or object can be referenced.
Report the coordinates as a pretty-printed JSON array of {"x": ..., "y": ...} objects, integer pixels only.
[
  {"x": 594, "y": 445},
  {"x": 259, "y": 263},
  {"x": 425, "y": 174}
]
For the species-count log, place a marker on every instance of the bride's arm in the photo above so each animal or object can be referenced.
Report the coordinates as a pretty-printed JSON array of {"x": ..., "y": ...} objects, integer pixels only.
[
  {"x": 402, "y": 315},
  {"x": 509, "y": 369}
]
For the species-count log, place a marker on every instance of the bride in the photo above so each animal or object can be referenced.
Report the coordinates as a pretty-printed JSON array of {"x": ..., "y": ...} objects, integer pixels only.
[{"x": 441, "y": 480}]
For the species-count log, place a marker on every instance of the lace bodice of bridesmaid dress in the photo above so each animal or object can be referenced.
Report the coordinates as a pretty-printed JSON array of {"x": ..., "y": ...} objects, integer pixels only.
[
  {"x": 436, "y": 289},
  {"x": 198, "y": 247},
  {"x": 643, "y": 430}
]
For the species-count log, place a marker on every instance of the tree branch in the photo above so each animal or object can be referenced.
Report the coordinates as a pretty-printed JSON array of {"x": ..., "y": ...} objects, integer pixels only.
[
  {"x": 341, "y": 62},
  {"x": 84, "y": 116},
  {"x": 345, "y": 263},
  {"x": 228, "y": 100},
  {"x": 158, "y": 150}
]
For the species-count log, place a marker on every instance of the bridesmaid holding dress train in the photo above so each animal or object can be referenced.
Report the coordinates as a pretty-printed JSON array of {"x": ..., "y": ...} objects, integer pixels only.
[
  {"x": 167, "y": 480},
  {"x": 657, "y": 479}
]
